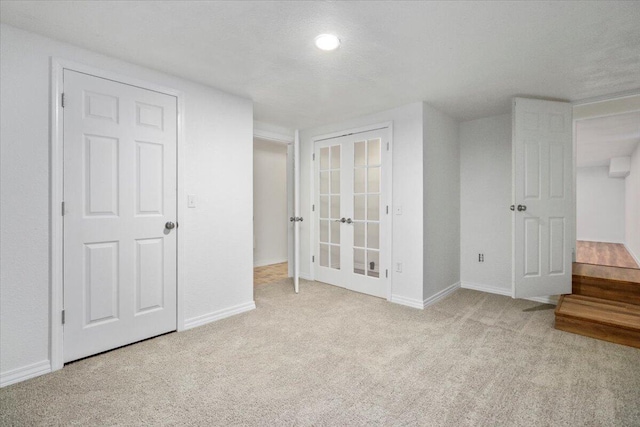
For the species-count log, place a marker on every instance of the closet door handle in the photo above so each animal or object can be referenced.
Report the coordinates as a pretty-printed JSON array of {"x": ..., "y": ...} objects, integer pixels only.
[{"x": 522, "y": 208}]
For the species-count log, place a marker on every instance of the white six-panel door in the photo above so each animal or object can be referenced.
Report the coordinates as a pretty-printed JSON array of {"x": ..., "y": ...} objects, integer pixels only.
[
  {"x": 120, "y": 193},
  {"x": 351, "y": 220},
  {"x": 543, "y": 197}
]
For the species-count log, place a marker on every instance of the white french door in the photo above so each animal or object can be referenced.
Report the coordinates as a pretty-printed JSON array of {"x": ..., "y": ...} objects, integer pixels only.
[
  {"x": 351, "y": 221},
  {"x": 120, "y": 214},
  {"x": 543, "y": 198}
]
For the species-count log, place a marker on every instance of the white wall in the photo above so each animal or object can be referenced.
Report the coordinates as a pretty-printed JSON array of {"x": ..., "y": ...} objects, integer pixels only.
[
  {"x": 441, "y": 201},
  {"x": 485, "y": 218},
  {"x": 270, "y": 219},
  {"x": 632, "y": 207},
  {"x": 219, "y": 149},
  {"x": 600, "y": 204},
  {"x": 407, "y": 192}
]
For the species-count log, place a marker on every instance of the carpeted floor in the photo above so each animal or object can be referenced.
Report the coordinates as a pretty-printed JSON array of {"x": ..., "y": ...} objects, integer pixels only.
[{"x": 332, "y": 357}]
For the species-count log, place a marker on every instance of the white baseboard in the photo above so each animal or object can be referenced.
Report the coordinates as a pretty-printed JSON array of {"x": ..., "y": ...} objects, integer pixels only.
[
  {"x": 421, "y": 304},
  {"x": 24, "y": 373},
  {"x": 409, "y": 302},
  {"x": 440, "y": 295},
  {"x": 306, "y": 277},
  {"x": 262, "y": 263},
  {"x": 217, "y": 315},
  {"x": 633, "y": 255},
  {"x": 552, "y": 299},
  {"x": 485, "y": 288}
]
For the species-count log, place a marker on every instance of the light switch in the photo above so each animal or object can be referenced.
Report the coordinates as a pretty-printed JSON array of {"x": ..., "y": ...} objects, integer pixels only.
[{"x": 191, "y": 200}]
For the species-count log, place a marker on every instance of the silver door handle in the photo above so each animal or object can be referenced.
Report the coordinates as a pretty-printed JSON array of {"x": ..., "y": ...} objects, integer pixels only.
[
  {"x": 512, "y": 207},
  {"x": 295, "y": 218},
  {"x": 169, "y": 225},
  {"x": 522, "y": 208},
  {"x": 340, "y": 220},
  {"x": 349, "y": 221}
]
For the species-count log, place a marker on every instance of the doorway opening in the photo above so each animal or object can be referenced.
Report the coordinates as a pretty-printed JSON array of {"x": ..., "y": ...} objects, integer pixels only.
[
  {"x": 272, "y": 207},
  {"x": 608, "y": 190}
]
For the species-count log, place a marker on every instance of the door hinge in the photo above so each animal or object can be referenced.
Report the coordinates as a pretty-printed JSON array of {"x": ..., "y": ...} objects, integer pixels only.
[
  {"x": 313, "y": 208},
  {"x": 313, "y": 156},
  {"x": 313, "y": 258},
  {"x": 387, "y": 209},
  {"x": 387, "y": 146},
  {"x": 62, "y": 209},
  {"x": 62, "y": 99},
  {"x": 386, "y": 273},
  {"x": 63, "y": 317}
]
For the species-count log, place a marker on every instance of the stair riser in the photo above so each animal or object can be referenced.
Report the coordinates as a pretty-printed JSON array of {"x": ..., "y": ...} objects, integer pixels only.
[
  {"x": 611, "y": 290},
  {"x": 599, "y": 331}
]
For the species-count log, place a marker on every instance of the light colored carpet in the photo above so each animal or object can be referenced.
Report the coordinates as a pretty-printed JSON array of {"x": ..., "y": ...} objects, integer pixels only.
[{"x": 332, "y": 357}]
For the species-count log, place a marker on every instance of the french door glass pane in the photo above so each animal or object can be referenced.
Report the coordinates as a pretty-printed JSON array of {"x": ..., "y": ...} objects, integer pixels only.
[
  {"x": 335, "y": 207},
  {"x": 324, "y": 182},
  {"x": 373, "y": 207},
  {"x": 373, "y": 235},
  {"x": 324, "y": 255},
  {"x": 360, "y": 153},
  {"x": 373, "y": 261},
  {"x": 373, "y": 148},
  {"x": 335, "y": 232},
  {"x": 335, "y": 257},
  {"x": 373, "y": 179},
  {"x": 358, "y": 261},
  {"x": 324, "y": 230},
  {"x": 358, "y": 234},
  {"x": 359, "y": 180},
  {"x": 335, "y": 157},
  {"x": 359, "y": 207},
  {"x": 324, "y": 206},
  {"x": 324, "y": 158},
  {"x": 335, "y": 182}
]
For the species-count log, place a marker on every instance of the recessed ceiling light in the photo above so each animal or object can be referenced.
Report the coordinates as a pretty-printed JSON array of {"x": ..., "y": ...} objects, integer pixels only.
[{"x": 327, "y": 42}]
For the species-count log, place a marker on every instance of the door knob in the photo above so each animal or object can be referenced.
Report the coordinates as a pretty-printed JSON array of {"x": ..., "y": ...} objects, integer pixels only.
[
  {"x": 295, "y": 218},
  {"x": 513, "y": 207},
  {"x": 349, "y": 221},
  {"x": 522, "y": 208},
  {"x": 340, "y": 220},
  {"x": 170, "y": 225}
]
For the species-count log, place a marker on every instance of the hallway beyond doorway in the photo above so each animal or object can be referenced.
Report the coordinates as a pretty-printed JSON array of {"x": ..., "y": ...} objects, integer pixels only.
[
  {"x": 611, "y": 254},
  {"x": 270, "y": 273}
]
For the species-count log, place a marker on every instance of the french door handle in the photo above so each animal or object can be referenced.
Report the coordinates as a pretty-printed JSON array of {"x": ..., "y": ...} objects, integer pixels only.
[
  {"x": 522, "y": 208},
  {"x": 512, "y": 207},
  {"x": 349, "y": 221},
  {"x": 295, "y": 218},
  {"x": 340, "y": 220}
]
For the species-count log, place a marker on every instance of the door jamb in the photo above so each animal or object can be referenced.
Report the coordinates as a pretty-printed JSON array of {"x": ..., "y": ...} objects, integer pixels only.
[
  {"x": 56, "y": 188},
  {"x": 388, "y": 182},
  {"x": 287, "y": 140}
]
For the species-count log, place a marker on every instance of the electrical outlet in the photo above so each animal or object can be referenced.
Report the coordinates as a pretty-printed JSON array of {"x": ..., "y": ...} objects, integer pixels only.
[
  {"x": 399, "y": 267},
  {"x": 480, "y": 257}
]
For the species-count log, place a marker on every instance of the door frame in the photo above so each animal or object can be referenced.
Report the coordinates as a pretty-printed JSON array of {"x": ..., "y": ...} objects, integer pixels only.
[
  {"x": 592, "y": 108},
  {"x": 56, "y": 189},
  {"x": 287, "y": 140},
  {"x": 387, "y": 180}
]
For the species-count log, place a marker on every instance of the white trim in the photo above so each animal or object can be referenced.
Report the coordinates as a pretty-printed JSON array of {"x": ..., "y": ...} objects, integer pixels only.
[
  {"x": 24, "y": 373},
  {"x": 218, "y": 315},
  {"x": 596, "y": 99},
  {"x": 262, "y": 263},
  {"x": 58, "y": 66},
  {"x": 306, "y": 277},
  {"x": 633, "y": 255},
  {"x": 441, "y": 295},
  {"x": 409, "y": 302},
  {"x": 552, "y": 299},
  {"x": 486, "y": 288},
  {"x": 272, "y": 136}
]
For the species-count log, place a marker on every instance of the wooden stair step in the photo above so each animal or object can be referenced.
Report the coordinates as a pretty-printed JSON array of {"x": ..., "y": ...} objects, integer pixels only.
[
  {"x": 599, "y": 318},
  {"x": 610, "y": 283}
]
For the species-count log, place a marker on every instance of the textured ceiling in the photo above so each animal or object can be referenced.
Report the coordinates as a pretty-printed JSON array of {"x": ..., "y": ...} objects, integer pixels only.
[
  {"x": 466, "y": 58},
  {"x": 598, "y": 140}
]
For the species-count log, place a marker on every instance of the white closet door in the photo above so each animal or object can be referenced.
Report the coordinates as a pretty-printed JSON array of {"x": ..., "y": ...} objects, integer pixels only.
[
  {"x": 120, "y": 202},
  {"x": 352, "y": 247},
  {"x": 543, "y": 197}
]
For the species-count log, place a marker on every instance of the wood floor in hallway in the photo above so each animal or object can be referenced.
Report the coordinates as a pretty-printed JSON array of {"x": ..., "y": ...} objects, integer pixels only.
[
  {"x": 612, "y": 254},
  {"x": 270, "y": 273}
]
